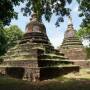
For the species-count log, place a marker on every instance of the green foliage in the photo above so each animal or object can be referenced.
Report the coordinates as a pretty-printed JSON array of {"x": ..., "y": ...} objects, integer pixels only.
[
  {"x": 3, "y": 42},
  {"x": 8, "y": 38},
  {"x": 13, "y": 33},
  {"x": 42, "y": 7},
  {"x": 7, "y": 10},
  {"x": 84, "y": 33},
  {"x": 47, "y": 8},
  {"x": 84, "y": 7}
]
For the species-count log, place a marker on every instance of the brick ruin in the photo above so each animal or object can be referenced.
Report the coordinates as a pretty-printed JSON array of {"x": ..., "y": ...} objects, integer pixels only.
[
  {"x": 34, "y": 58},
  {"x": 72, "y": 47}
]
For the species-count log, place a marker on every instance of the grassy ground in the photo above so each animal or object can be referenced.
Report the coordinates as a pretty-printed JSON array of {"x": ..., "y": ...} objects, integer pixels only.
[
  {"x": 67, "y": 82},
  {"x": 83, "y": 74}
]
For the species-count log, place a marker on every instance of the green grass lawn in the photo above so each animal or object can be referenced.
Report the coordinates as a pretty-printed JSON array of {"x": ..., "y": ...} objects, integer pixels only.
[{"x": 60, "y": 83}]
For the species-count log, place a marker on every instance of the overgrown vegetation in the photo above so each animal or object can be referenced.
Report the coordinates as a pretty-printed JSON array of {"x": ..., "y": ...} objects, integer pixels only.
[
  {"x": 84, "y": 33},
  {"x": 12, "y": 33},
  {"x": 9, "y": 37},
  {"x": 3, "y": 42}
]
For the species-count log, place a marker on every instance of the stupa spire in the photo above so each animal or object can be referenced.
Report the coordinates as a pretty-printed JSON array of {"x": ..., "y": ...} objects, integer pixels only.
[
  {"x": 70, "y": 32},
  {"x": 70, "y": 24},
  {"x": 69, "y": 20},
  {"x": 33, "y": 17},
  {"x": 72, "y": 47},
  {"x": 35, "y": 25}
]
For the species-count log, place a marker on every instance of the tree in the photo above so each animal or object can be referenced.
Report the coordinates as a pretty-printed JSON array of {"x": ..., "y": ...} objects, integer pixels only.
[
  {"x": 84, "y": 7},
  {"x": 47, "y": 8},
  {"x": 13, "y": 34},
  {"x": 9, "y": 37},
  {"x": 40, "y": 7},
  {"x": 7, "y": 10},
  {"x": 84, "y": 33},
  {"x": 3, "y": 42}
]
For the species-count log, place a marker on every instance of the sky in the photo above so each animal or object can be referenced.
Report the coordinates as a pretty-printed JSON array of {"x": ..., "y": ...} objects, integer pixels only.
[{"x": 55, "y": 34}]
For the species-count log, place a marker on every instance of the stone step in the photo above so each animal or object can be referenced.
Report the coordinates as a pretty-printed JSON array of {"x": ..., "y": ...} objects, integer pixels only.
[{"x": 51, "y": 56}]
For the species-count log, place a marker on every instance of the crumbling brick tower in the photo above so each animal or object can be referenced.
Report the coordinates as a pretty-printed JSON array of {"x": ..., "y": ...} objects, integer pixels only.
[
  {"x": 33, "y": 58},
  {"x": 72, "y": 47}
]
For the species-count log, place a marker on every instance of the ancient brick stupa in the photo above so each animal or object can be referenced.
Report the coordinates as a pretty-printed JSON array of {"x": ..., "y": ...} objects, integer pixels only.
[
  {"x": 72, "y": 46},
  {"x": 34, "y": 58}
]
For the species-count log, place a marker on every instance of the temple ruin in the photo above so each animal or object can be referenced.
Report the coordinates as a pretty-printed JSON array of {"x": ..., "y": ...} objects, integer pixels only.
[{"x": 34, "y": 58}]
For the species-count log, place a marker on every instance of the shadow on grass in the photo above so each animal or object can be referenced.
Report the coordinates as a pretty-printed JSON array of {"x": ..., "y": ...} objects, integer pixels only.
[{"x": 60, "y": 84}]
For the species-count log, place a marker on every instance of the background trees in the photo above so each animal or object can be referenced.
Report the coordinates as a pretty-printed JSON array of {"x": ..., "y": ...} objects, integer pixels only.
[
  {"x": 3, "y": 42},
  {"x": 84, "y": 34},
  {"x": 84, "y": 7},
  {"x": 7, "y": 10},
  {"x": 42, "y": 7},
  {"x": 9, "y": 37},
  {"x": 13, "y": 33},
  {"x": 47, "y": 8}
]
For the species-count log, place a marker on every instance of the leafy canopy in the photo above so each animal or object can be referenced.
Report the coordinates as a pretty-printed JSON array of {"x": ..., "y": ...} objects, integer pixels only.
[
  {"x": 3, "y": 42},
  {"x": 47, "y": 8},
  {"x": 42, "y": 7},
  {"x": 7, "y": 10},
  {"x": 13, "y": 33},
  {"x": 9, "y": 37},
  {"x": 84, "y": 7},
  {"x": 84, "y": 33}
]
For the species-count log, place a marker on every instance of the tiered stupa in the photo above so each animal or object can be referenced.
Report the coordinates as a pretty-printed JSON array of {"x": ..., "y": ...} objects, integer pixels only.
[
  {"x": 34, "y": 58},
  {"x": 72, "y": 46}
]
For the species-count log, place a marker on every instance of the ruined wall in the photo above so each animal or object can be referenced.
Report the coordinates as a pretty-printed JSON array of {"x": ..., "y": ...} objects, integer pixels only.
[
  {"x": 53, "y": 72},
  {"x": 75, "y": 53}
]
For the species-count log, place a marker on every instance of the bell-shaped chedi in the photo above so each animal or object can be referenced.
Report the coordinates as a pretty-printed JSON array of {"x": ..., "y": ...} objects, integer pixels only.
[
  {"x": 34, "y": 58},
  {"x": 72, "y": 47},
  {"x": 35, "y": 25}
]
